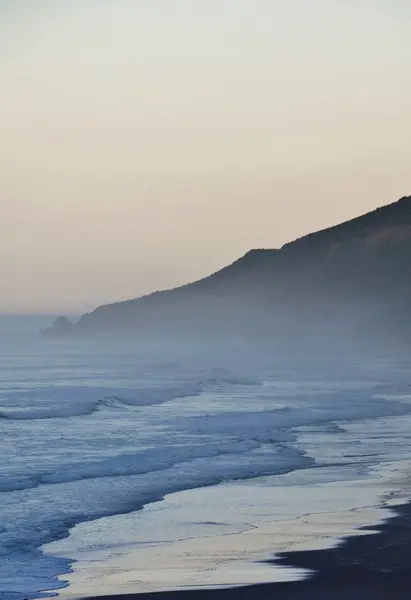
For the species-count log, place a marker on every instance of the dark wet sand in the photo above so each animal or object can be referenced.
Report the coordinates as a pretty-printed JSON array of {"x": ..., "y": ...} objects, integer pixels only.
[{"x": 367, "y": 567}]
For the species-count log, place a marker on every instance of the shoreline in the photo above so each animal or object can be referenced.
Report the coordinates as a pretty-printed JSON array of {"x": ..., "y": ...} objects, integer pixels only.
[
  {"x": 265, "y": 553},
  {"x": 366, "y": 567}
]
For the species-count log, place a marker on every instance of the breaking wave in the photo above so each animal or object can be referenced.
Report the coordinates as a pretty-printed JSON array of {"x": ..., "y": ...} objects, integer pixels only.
[{"x": 62, "y": 402}]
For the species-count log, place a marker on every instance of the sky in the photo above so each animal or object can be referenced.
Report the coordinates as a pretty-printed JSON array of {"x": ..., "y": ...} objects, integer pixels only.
[{"x": 147, "y": 143}]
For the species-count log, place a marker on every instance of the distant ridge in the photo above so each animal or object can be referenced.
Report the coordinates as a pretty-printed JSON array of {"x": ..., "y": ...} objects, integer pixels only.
[{"x": 336, "y": 281}]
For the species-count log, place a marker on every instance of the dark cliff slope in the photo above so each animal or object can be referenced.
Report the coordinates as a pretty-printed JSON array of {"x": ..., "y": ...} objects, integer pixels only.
[{"x": 340, "y": 278}]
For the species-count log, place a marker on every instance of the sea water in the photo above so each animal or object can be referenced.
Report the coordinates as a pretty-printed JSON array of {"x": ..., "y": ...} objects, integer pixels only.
[{"x": 90, "y": 430}]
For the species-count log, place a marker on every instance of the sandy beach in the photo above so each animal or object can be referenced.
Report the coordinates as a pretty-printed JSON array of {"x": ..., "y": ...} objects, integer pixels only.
[
  {"x": 363, "y": 567},
  {"x": 335, "y": 534}
]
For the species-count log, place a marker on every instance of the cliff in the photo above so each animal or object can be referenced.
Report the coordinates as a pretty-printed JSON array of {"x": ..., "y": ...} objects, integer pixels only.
[{"x": 350, "y": 277}]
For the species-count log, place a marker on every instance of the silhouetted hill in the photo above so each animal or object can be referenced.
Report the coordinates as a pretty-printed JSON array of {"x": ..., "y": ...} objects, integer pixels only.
[{"x": 349, "y": 280}]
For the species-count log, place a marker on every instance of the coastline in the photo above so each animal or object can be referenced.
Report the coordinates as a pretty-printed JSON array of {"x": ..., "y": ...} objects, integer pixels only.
[
  {"x": 362, "y": 567},
  {"x": 219, "y": 560}
]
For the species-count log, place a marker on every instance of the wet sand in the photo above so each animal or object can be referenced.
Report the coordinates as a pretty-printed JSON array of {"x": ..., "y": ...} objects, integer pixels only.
[{"x": 363, "y": 567}]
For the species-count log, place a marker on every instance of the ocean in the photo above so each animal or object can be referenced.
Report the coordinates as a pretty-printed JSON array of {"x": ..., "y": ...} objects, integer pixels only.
[{"x": 116, "y": 449}]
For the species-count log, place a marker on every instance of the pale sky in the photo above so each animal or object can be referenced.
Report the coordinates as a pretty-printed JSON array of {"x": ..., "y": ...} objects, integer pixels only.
[{"x": 147, "y": 143}]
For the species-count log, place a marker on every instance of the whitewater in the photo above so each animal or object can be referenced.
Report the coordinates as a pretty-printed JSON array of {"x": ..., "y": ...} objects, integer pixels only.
[{"x": 91, "y": 430}]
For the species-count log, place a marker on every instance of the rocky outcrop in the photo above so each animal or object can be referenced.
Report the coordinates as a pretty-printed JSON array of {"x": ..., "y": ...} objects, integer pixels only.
[{"x": 62, "y": 326}]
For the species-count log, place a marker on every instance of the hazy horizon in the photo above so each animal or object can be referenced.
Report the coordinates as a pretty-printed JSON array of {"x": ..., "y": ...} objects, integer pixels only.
[{"x": 148, "y": 144}]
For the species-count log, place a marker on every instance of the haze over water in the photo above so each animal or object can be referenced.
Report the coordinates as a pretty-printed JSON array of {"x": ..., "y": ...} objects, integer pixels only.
[{"x": 93, "y": 430}]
